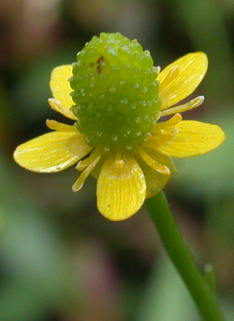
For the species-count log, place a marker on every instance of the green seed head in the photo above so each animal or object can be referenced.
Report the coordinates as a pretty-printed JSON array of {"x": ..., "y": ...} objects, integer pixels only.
[{"x": 115, "y": 92}]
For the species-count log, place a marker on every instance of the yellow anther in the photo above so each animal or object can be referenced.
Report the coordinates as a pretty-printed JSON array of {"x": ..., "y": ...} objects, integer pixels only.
[{"x": 119, "y": 162}]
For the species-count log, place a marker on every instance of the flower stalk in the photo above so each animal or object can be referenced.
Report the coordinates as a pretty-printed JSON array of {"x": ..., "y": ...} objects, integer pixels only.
[{"x": 182, "y": 258}]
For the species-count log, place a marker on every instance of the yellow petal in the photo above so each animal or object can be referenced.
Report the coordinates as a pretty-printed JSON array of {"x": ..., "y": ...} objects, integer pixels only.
[
  {"x": 192, "y": 69},
  {"x": 120, "y": 192},
  {"x": 60, "y": 85},
  {"x": 154, "y": 180},
  {"x": 46, "y": 153},
  {"x": 56, "y": 105},
  {"x": 192, "y": 138},
  {"x": 55, "y": 125}
]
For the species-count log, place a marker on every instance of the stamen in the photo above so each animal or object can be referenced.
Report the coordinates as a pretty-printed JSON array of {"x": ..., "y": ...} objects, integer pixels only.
[
  {"x": 119, "y": 162},
  {"x": 153, "y": 163},
  {"x": 172, "y": 74},
  {"x": 80, "y": 181},
  {"x": 82, "y": 164},
  {"x": 60, "y": 127},
  {"x": 163, "y": 133},
  {"x": 158, "y": 69},
  {"x": 188, "y": 106},
  {"x": 160, "y": 127}
]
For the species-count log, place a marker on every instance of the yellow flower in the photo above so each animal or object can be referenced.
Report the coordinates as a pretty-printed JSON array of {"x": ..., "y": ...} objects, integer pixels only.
[{"x": 125, "y": 176}]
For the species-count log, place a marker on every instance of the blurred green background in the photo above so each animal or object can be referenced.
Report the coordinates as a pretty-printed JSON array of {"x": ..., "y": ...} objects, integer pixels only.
[{"x": 60, "y": 260}]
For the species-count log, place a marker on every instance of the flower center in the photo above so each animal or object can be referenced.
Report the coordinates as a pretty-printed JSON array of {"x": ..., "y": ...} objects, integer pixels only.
[{"x": 115, "y": 92}]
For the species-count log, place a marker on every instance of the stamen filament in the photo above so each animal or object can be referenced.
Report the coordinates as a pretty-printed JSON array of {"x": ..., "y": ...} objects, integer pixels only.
[
  {"x": 80, "y": 181},
  {"x": 163, "y": 132},
  {"x": 152, "y": 163},
  {"x": 172, "y": 74},
  {"x": 82, "y": 164},
  {"x": 196, "y": 102},
  {"x": 160, "y": 127}
]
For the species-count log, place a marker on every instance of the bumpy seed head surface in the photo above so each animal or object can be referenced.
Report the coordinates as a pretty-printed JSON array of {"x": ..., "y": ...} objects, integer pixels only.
[{"x": 115, "y": 92}]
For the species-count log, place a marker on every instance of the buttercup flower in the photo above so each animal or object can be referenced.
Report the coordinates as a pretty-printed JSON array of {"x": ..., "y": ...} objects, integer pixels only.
[{"x": 116, "y": 97}]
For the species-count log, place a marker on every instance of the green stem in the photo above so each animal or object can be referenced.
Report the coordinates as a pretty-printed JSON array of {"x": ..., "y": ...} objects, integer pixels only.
[{"x": 182, "y": 259}]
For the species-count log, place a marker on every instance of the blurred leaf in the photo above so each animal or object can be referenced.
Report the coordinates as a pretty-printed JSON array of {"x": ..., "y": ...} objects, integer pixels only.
[
  {"x": 221, "y": 219},
  {"x": 166, "y": 297},
  {"x": 33, "y": 257},
  {"x": 19, "y": 302},
  {"x": 207, "y": 30}
]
